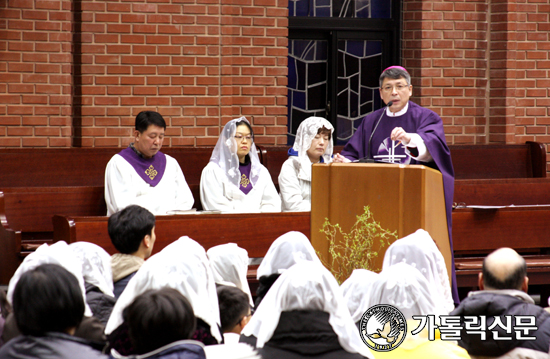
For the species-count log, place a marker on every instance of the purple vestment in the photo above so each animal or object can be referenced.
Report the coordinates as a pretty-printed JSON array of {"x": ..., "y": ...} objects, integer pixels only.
[
  {"x": 245, "y": 185},
  {"x": 429, "y": 126},
  {"x": 150, "y": 170}
]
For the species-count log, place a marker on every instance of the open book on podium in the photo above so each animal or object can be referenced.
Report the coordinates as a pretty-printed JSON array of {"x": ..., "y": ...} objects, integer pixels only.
[{"x": 402, "y": 198}]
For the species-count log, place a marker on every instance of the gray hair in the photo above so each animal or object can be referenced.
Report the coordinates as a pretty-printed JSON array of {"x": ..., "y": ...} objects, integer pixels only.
[{"x": 394, "y": 74}]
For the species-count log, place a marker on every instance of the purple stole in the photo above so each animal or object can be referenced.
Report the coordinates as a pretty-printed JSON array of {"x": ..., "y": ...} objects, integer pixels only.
[
  {"x": 150, "y": 170},
  {"x": 245, "y": 185}
]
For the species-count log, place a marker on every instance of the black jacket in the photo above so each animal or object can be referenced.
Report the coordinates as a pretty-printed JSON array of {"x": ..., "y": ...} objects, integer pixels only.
[
  {"x": 305, "y": 334},
  {"x": 502, "y": 303},
  {"x": 100, "y": 303},
  {"x": 49, "y": 346}
]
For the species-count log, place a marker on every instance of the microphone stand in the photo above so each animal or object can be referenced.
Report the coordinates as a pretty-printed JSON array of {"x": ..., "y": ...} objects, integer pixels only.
[{"x": 367, "y": 158}]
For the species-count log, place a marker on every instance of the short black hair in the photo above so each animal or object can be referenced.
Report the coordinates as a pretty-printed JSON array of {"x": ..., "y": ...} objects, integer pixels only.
[
  {"x": 144, "y": 119},
  {"x": 128, "y": 227},
  {"x": 234, "y": 306},
  {"x": 47, "y": 299},
  {"x": 243, "y": 122},
  {"x": 513, "y": 281},
  {"x": 159, "y": 317}
]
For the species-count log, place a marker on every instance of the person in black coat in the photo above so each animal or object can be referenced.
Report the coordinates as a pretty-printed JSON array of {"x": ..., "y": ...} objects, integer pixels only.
[
  {"x": 503, "y": 293},
  {"x": 304, "y": 315},
  {"x": 48, "y": 306}
]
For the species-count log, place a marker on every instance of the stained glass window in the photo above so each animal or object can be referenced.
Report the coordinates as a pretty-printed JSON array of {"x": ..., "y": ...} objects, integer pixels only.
[
  {"x": 371, "y": 9},
  {"x": 359, "y": 65},
  {"x": 307, "y": 82}
]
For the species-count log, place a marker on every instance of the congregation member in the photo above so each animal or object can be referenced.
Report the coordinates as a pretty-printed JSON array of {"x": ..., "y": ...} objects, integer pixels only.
[
  {"x": 405, "y": 288},
  {"x": 59, "y": 253},
  {"x": 420, "y": 251},
  {"x": 142, "y": 175},
  {"x": 287, "y": 250},
  {"x": 235, "y": 312},
  {"x": 132, "y": 232},
  {"x": 48, "y": 306},
  {"x": 412, "y": 133},
  {"x": 313, "y": 144},
  {"x": 502, "y": 293},
  {"x": 5, "y": 310},
  {"x": 229, "y": 264},
  {"x": 181, "y": 265},
  {"x": 161, "y": 323},
  {"x": 356, "y": 290},
  {"x": 234, "y": 180},
  {"x": 304, "y": 316},
  {"x": 98, "y": 278}
]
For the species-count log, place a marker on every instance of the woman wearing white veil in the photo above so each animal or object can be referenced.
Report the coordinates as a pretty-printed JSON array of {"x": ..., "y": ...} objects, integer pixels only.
[
  {"x": 98, "y": 278},
  {"x": 404, "y": 287},
  {"x": 419, "y": 250},
  {"x": 234, "y": 180},
  {"x": 356, "y": 290},
  {"x": 229, "y": 264},
  {"x": 304, "y": 316},
  {"x": 313, "y": 144},
  {"x": 290, "y": 248},
  {"x": 181, "y": 265},
  {"x": 61, "y": 254}
]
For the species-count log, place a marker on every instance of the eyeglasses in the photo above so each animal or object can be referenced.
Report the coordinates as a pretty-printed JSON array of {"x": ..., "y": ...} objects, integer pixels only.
[
  {"x": 241, "y": 137},
  {"x": 397, "y": 87}
]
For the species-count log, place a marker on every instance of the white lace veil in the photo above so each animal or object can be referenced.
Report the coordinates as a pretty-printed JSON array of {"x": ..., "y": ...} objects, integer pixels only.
[
  {"x": 306, "y": 286},
  {"x": 404, "y": 287},
  {"x": 181, "y": 265},
  {"x": 58, "y": 253},
  {"x": 305, "y": 134},
  {"x": 290, "y": 248},
  {"x": 225, "y": 154},
  {"x": 96, "y": 265},
  {"x": 420, "y": 251},
  {"x": 229, "y": 264},
  {"x": 356, "y": 290}
]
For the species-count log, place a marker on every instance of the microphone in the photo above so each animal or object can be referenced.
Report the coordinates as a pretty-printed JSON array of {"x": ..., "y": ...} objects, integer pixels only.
[{"x": 367, "y": 158}]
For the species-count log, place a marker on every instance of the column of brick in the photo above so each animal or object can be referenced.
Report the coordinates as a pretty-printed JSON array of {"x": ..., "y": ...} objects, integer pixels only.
[
  {"x": 445, "y": 50},
  {"x": 35, "y": 73},
  {"x": 254, "y": 66},
  {"x": 503, "y": 46},
  {"x": 533, "y": 72}
]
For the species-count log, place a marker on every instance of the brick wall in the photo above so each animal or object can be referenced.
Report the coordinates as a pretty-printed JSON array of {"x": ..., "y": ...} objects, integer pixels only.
[
  {"x": 75, "y": 73},
  {"x": 482, "y": 65}
]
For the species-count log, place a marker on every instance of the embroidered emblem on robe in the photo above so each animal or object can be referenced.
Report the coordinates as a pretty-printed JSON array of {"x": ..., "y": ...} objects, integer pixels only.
[
  {"x": 244, "y": 181},
  {"x": 151, "y": 172}
]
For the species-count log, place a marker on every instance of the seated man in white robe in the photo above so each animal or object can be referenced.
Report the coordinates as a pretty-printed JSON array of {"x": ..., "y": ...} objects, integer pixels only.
[{"x": 142, "y": 175}]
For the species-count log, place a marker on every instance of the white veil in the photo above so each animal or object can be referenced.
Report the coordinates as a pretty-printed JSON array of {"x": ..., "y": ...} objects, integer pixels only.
[
  {"x": 229, "y": 264},
  {"x": 404, "y": 287},
  {"x": 225, "y": 154},
  {"x": 419, "y": 250},
  {"x": 305, "y": 134},
  {"x": 290, "y": 248},
  {"x": 306, "y": 286},
  {"x": 96, "y": 265},
  {"x": 181, "y": 265},
  {"x": 58, "y": 253},
  {"x": 357, "y": 290}
]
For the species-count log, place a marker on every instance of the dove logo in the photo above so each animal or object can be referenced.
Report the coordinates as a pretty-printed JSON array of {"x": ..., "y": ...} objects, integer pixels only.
[{"x": 383, "y": 328}]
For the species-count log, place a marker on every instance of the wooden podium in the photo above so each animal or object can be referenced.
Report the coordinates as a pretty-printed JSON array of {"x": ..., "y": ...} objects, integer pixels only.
[{"x": 401, "y": 197}]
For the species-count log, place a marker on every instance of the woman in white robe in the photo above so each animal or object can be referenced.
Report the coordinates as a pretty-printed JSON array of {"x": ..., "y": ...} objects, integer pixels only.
[
  {"x": 313, "y": 144},
  {"x": 234, "y": 180}
]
